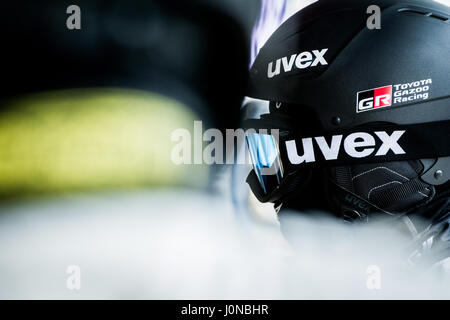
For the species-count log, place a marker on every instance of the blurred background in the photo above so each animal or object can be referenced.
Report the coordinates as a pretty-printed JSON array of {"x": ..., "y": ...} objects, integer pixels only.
[
  {"x": 93, "y": 110},
  {"x": 86, "y": 177}
]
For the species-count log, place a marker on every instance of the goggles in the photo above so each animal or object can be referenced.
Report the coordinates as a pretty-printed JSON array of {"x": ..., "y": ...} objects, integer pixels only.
[
  {"x": 265, "y": 157},
  {"x": 280, "y": 154}
]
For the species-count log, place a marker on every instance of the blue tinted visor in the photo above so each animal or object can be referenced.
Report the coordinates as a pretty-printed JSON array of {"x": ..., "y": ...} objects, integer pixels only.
[{"x": 265, "y": 156}]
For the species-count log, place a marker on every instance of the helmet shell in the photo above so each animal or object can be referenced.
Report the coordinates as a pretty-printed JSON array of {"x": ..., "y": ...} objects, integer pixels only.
[{"x": 412, "y": 47}]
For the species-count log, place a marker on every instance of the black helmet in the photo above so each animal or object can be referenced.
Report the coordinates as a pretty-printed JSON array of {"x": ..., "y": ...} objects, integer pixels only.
[{"x": 361, "y": 114}]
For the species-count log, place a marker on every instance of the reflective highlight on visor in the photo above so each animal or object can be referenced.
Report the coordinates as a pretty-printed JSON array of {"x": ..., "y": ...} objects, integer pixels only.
[{"x": 266, "y": 161}]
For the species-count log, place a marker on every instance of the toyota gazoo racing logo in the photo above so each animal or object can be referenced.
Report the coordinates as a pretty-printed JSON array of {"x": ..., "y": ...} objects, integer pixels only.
[
  {"x": 391, "y": 95},
  {"x": 374, "y": 98},
  {"x": 302, "y": 60}
]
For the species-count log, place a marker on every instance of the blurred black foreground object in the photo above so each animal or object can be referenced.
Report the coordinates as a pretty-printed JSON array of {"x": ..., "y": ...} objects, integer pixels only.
[{"x": 194, "y": 51}]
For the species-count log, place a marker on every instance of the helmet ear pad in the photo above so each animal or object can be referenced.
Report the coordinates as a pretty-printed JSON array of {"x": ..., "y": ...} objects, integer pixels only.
[{"x": 393, "y": 187}]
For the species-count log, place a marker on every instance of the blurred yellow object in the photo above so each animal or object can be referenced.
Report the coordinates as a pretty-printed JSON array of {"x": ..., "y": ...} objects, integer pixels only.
[{"x": 86, "y": 139}]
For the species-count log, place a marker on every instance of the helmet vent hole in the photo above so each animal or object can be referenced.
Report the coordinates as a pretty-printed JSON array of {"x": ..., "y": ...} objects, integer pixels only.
[
  {"x": 424, "y": 13},
  {"x": 438, "y": 17},
  {"x": 408, "y": 10}
]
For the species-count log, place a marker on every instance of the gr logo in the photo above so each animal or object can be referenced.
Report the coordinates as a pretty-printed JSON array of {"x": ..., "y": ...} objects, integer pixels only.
[{"x": 373, "y": 99}]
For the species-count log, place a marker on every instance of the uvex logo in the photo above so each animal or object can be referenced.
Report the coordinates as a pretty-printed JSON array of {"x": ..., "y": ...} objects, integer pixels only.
[
  {"x": 356, "y": 202},
  {"x": 302, "y": 60},
  {"x": 356, "y": 145}
]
